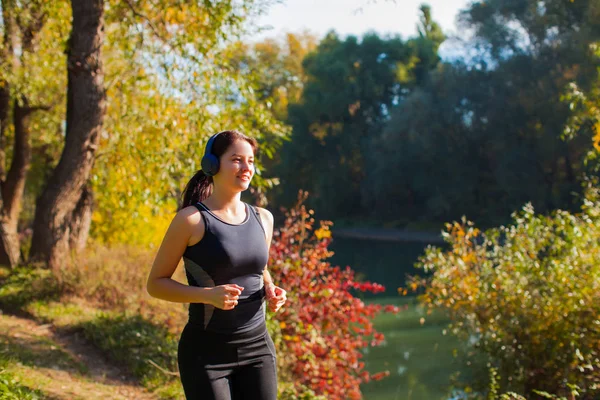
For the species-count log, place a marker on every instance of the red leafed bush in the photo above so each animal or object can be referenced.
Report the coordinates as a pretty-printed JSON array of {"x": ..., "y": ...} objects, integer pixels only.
[{"x": 323, "y": 325}]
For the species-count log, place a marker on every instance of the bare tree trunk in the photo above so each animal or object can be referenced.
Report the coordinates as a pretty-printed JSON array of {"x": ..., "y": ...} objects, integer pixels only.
[
  {"x": 4, "y": 107},
  {"x": 81, "y": 220},
  {"x": 86, "y": 106},
  {"x": 7, "y": 54},
  {"x": 18, "y": 34},
  {"x": 13, "y": 187}
]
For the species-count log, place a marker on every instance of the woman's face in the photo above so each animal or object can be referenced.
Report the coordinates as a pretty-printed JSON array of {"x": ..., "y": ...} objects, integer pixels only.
[{"x": 236, "y": 166}]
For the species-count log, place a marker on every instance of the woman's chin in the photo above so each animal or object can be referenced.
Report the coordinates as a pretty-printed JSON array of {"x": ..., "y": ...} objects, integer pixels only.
[{"x": 243, "y": 185}]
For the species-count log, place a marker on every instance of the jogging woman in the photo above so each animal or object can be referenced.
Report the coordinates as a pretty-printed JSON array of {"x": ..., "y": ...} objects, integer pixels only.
[{"x": 225, "y": 351}]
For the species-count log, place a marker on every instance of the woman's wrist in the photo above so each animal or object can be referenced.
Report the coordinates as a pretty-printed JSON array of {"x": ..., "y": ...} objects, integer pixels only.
[{"x": 203, "y": 295}]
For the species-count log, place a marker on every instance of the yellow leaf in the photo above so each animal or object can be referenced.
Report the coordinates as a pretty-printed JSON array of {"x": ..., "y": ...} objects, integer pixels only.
[{"x": 323, "y": 232}]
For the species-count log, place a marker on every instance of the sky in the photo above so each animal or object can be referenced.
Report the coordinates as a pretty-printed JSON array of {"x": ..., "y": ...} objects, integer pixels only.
[{"x": 357, "y": 16}]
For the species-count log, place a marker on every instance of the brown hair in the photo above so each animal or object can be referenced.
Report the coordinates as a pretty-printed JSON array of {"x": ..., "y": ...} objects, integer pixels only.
[{"x": 200, "y": 186}]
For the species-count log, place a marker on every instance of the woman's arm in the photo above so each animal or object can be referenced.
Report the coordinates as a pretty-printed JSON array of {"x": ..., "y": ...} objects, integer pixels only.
[
  {"x": 276, "y": 296},
  {"x": 160, "y": 283},
  {"x": 267, "y": 219}
]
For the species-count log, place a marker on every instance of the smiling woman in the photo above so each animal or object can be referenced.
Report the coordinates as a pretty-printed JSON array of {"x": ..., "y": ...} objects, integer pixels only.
[{"x": 225, "y": 349}]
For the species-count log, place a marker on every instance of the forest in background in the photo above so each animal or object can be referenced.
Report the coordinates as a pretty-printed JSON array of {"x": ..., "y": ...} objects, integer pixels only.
[{"x": 105, "y": 107}]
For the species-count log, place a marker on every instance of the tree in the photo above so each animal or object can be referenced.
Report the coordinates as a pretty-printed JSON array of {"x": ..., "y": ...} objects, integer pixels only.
[
  {"x": 483, "y": 136},
  {"x": 139, "y": 97},
  {"x": 30, "y": 41},
  {"x": 351, "y": 86},
  {"x": 430, "y": 37},
  {"x": 62, "y": 207},
  {"x": 163, "y": 106},
  {"x": 278, "y": 76}
]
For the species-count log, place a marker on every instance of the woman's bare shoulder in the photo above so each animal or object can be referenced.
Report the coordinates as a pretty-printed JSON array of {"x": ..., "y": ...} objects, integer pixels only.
[
  {"x": 189, "y": 216},
  {"x": 266, "y": 214}
]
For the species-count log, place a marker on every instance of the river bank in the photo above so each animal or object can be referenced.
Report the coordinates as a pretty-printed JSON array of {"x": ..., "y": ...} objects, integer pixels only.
[{"x": 389, "y": 235}]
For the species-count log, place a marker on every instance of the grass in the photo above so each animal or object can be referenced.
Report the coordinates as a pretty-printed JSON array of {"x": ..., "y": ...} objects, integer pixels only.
[
  {"x": 25, "y": 284},
  {"x": 128, "y": 341},
  {"x": 111, "y": 310},
  {"x": 136, "y": 343},
  {"x": 11, "y": 385}
]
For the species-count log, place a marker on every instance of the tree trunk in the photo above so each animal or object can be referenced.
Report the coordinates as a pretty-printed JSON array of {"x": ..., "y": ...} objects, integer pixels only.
[
  {"x": 81, "y": 220},
  {"x": 86, "y": 107},
  {"x": 13, "y": 187},
  {"x": 7, "y": 54},
  {"x": 4, "y": 107}
]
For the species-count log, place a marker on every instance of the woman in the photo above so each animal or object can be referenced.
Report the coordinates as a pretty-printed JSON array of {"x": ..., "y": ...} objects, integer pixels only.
[{"x": 225, "y": 351}]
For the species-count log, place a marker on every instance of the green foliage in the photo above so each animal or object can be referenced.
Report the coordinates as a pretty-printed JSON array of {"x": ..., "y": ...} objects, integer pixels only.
[
  {"x": 484, "y": 135},
  {"x": 351, "y": 85},
  {"x": 25, "y": 284},
  {"x": 526, "y": 295},
  {"x": 426, "y": 45},
  {"x": 170, "y": 84},
  {"x": 31, "y": 72},
  {"x": 12, "y": 389},
  {"x": 275, "y": 68},
  {"x": 163, "y": 106}
]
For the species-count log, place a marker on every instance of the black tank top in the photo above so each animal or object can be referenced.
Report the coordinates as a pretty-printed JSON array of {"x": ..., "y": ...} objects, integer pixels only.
[{"x": 229, "y": 253}]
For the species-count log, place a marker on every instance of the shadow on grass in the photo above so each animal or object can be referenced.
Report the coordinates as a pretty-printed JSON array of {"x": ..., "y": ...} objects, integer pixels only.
[
  {"x": 148, "y": 351},
  {"x": 25, "y": 284},
  {"x": 38, "y": 352}
]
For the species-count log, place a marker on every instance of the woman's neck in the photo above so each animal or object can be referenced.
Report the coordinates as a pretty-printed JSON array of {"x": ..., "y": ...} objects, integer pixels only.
[{"x": 226, "y": 202}]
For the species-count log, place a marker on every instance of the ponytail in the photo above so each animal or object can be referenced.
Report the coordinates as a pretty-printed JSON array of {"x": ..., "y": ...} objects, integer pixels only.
[{"x": 197, "y": 189}]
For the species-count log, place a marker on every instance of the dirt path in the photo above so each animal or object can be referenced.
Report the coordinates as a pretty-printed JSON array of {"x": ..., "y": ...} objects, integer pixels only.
[{"x": 62, "y": 366}]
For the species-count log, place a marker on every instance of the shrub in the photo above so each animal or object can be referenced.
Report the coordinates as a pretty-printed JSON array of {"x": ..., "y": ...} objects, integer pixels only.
[
  {"x": 527, "y": 295},
  {"x": 114, "y": 278},
  {"x": 323, "y": 327}
]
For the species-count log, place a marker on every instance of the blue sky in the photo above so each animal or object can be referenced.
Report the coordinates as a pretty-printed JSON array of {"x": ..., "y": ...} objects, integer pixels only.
[{"x": 357, "y": 16}]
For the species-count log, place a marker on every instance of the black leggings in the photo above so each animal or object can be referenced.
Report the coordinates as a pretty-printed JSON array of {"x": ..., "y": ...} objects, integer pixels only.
[{"x": 212, "y": 368}]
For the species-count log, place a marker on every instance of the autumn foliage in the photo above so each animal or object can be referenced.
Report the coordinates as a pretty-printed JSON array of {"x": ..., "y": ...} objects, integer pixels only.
[
  {"x": 528, "y": 296},
  {"x": 323, "y": 327}
]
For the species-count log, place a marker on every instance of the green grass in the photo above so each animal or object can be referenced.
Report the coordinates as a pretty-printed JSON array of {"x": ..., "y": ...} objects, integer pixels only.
[
  {"x": 12, "y": 389},
  {"x": 26, "y": 284},
  {"x": 136, "y": 343},
  {"x": 128, "y": 340},
  {"x": 39, "y": 352}
]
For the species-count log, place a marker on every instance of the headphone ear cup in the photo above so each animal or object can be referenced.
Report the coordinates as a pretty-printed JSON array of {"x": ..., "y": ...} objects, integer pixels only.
[{"x": 210, "y": 164}]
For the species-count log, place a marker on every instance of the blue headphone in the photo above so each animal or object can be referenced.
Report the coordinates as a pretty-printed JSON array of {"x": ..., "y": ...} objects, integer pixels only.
[{"x": 210, "y": 162}]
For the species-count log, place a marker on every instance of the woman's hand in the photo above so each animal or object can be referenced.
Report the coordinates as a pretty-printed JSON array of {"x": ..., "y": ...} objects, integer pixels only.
[
  {"x": 276, "y": 296},
  {"x": 225, "y": 297}
]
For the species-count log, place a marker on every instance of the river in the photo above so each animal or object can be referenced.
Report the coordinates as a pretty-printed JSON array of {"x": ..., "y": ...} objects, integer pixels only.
[{"x": 420, "y": 358}]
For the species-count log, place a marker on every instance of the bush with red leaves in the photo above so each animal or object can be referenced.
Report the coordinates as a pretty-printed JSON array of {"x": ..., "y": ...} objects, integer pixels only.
[{"x": 323, "y": 327}]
